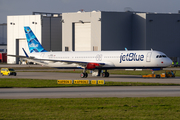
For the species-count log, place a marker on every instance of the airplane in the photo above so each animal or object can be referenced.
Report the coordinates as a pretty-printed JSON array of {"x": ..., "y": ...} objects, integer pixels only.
[{"x": 93, "y": 60}]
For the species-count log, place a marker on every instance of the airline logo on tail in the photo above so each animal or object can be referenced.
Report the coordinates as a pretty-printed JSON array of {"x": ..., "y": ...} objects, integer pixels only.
[{"x": 33, "y": 43}]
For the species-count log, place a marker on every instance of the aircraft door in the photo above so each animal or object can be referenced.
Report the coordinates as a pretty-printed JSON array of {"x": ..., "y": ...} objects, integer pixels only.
[{"x": 148, "y": 57}]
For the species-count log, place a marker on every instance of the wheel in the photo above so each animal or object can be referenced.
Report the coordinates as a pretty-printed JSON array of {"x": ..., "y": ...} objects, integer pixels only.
[
  {"x": 86, "y": 75},
  {"x": 9, "y": 74},
  {"x": 82, "y": 75},
  {"x": 2, "y": 74},
  {"x": 14, "y": 74},
  {"x": 105, "y": 74},
  {"x": 158, "y": 76}
]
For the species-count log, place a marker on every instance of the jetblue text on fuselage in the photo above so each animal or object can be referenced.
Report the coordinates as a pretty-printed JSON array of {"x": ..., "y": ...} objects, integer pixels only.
[{"x": 131, "y": 57}]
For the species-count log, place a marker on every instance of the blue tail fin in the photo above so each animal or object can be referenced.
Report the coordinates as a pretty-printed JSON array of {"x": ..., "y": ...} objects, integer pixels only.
[{"x": 33, "y": 43}]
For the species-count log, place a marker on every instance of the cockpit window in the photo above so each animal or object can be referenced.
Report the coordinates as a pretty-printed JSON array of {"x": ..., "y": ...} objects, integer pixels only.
[{"x": 161, "y": 56}]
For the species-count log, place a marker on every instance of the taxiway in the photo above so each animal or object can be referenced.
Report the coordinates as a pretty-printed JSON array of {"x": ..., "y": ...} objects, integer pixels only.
[
  {"x": 88, "y": 92},
  {"x": 76, "y": 76}
]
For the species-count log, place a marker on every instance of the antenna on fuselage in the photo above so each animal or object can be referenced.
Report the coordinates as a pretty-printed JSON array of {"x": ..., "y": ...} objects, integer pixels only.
[
  {"x": 151, "y": 49},
  {"x": 126, "y": 49}
]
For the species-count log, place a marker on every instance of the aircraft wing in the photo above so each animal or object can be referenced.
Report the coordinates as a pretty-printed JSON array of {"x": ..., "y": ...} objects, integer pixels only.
[
  {"x": 81, "y": 63},
  {"x": 20, "y": 56},
  {"x": 42, "y": 61}
]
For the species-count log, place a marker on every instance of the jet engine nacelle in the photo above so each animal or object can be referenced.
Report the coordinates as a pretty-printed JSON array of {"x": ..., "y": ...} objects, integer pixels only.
[{"x": 92, "y": 65}]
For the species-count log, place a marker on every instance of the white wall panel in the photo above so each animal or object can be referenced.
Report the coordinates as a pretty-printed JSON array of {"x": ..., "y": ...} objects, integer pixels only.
[
  {"x": 38, "y": 28},
  {"x": 82, "y": 36},
  {"x": 23, "y": 44},
  {"x": 32, "y": 21},
  {"x": 16, "y": 27},
  {"x": 68, "y": 28},
  {"x": 20, "y": 27},
  {"x": 26, "y": 20},
  {"x": 15, "y": 31},
  {"x": 10, "y": 37}
]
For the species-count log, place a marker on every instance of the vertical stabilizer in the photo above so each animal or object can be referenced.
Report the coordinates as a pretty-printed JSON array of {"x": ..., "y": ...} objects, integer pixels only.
[{"x": 33, "y": 43}]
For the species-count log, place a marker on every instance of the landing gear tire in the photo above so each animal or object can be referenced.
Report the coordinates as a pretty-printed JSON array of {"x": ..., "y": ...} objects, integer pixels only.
[
  {"x": 158, "y": 76},
  {"x": 86, "y": 75},
  {"x": 105, "y": 74},
  {"x": 14, "y": 74},
  {"x": 83, "y": 75}
]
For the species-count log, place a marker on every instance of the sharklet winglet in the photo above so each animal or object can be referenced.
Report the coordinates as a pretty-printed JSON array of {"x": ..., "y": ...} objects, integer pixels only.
[{"x": 25, "y": 53}]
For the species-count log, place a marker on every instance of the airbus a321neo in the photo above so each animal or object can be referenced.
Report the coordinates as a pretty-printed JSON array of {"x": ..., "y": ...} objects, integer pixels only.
[{"x": 93, "y": 60}]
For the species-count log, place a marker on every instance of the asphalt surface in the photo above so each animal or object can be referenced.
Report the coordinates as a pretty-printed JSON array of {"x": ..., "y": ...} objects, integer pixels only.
[
  {"x": 76, "y": 76},
  {"x": 88, "y": 92},
  {"x": 84, "y": 92}
]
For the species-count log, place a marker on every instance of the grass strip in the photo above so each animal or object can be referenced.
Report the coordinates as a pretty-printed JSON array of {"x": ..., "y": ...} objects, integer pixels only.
[
  {"x": 38, "y": 83},
  {"x": 151, "y": 108}
]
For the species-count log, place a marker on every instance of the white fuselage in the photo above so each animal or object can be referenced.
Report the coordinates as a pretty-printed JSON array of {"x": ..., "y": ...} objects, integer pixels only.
[{"x": 111, "y": 59}]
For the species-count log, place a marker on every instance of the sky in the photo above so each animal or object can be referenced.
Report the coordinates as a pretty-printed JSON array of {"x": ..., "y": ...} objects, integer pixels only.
[{"x": 26, "y": 7}]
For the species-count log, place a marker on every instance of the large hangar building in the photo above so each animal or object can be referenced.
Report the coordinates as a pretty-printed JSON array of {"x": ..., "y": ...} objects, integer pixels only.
[
  {"x": 3, "y": 38},
  {"x": 96, "y": 31},
  {"x": 157, "y": 31},
  {"x": 46, "y": 26}
]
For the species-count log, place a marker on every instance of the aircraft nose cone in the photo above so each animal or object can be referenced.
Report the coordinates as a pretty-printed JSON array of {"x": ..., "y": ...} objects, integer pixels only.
[{"x": 169, "y": 62}]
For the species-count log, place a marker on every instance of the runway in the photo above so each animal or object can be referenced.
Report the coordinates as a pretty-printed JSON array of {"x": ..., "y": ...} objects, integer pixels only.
[{"x": 88, "y": 92}]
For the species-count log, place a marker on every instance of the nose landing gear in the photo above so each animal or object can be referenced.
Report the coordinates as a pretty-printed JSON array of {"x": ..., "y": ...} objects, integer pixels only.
[{"x": 84, "y": 74}]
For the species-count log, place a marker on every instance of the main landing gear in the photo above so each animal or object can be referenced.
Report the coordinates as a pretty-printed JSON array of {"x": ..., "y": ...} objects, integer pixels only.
[
  {"x": 105, "y": 74},
  {"x": 84, "y": 74}
]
